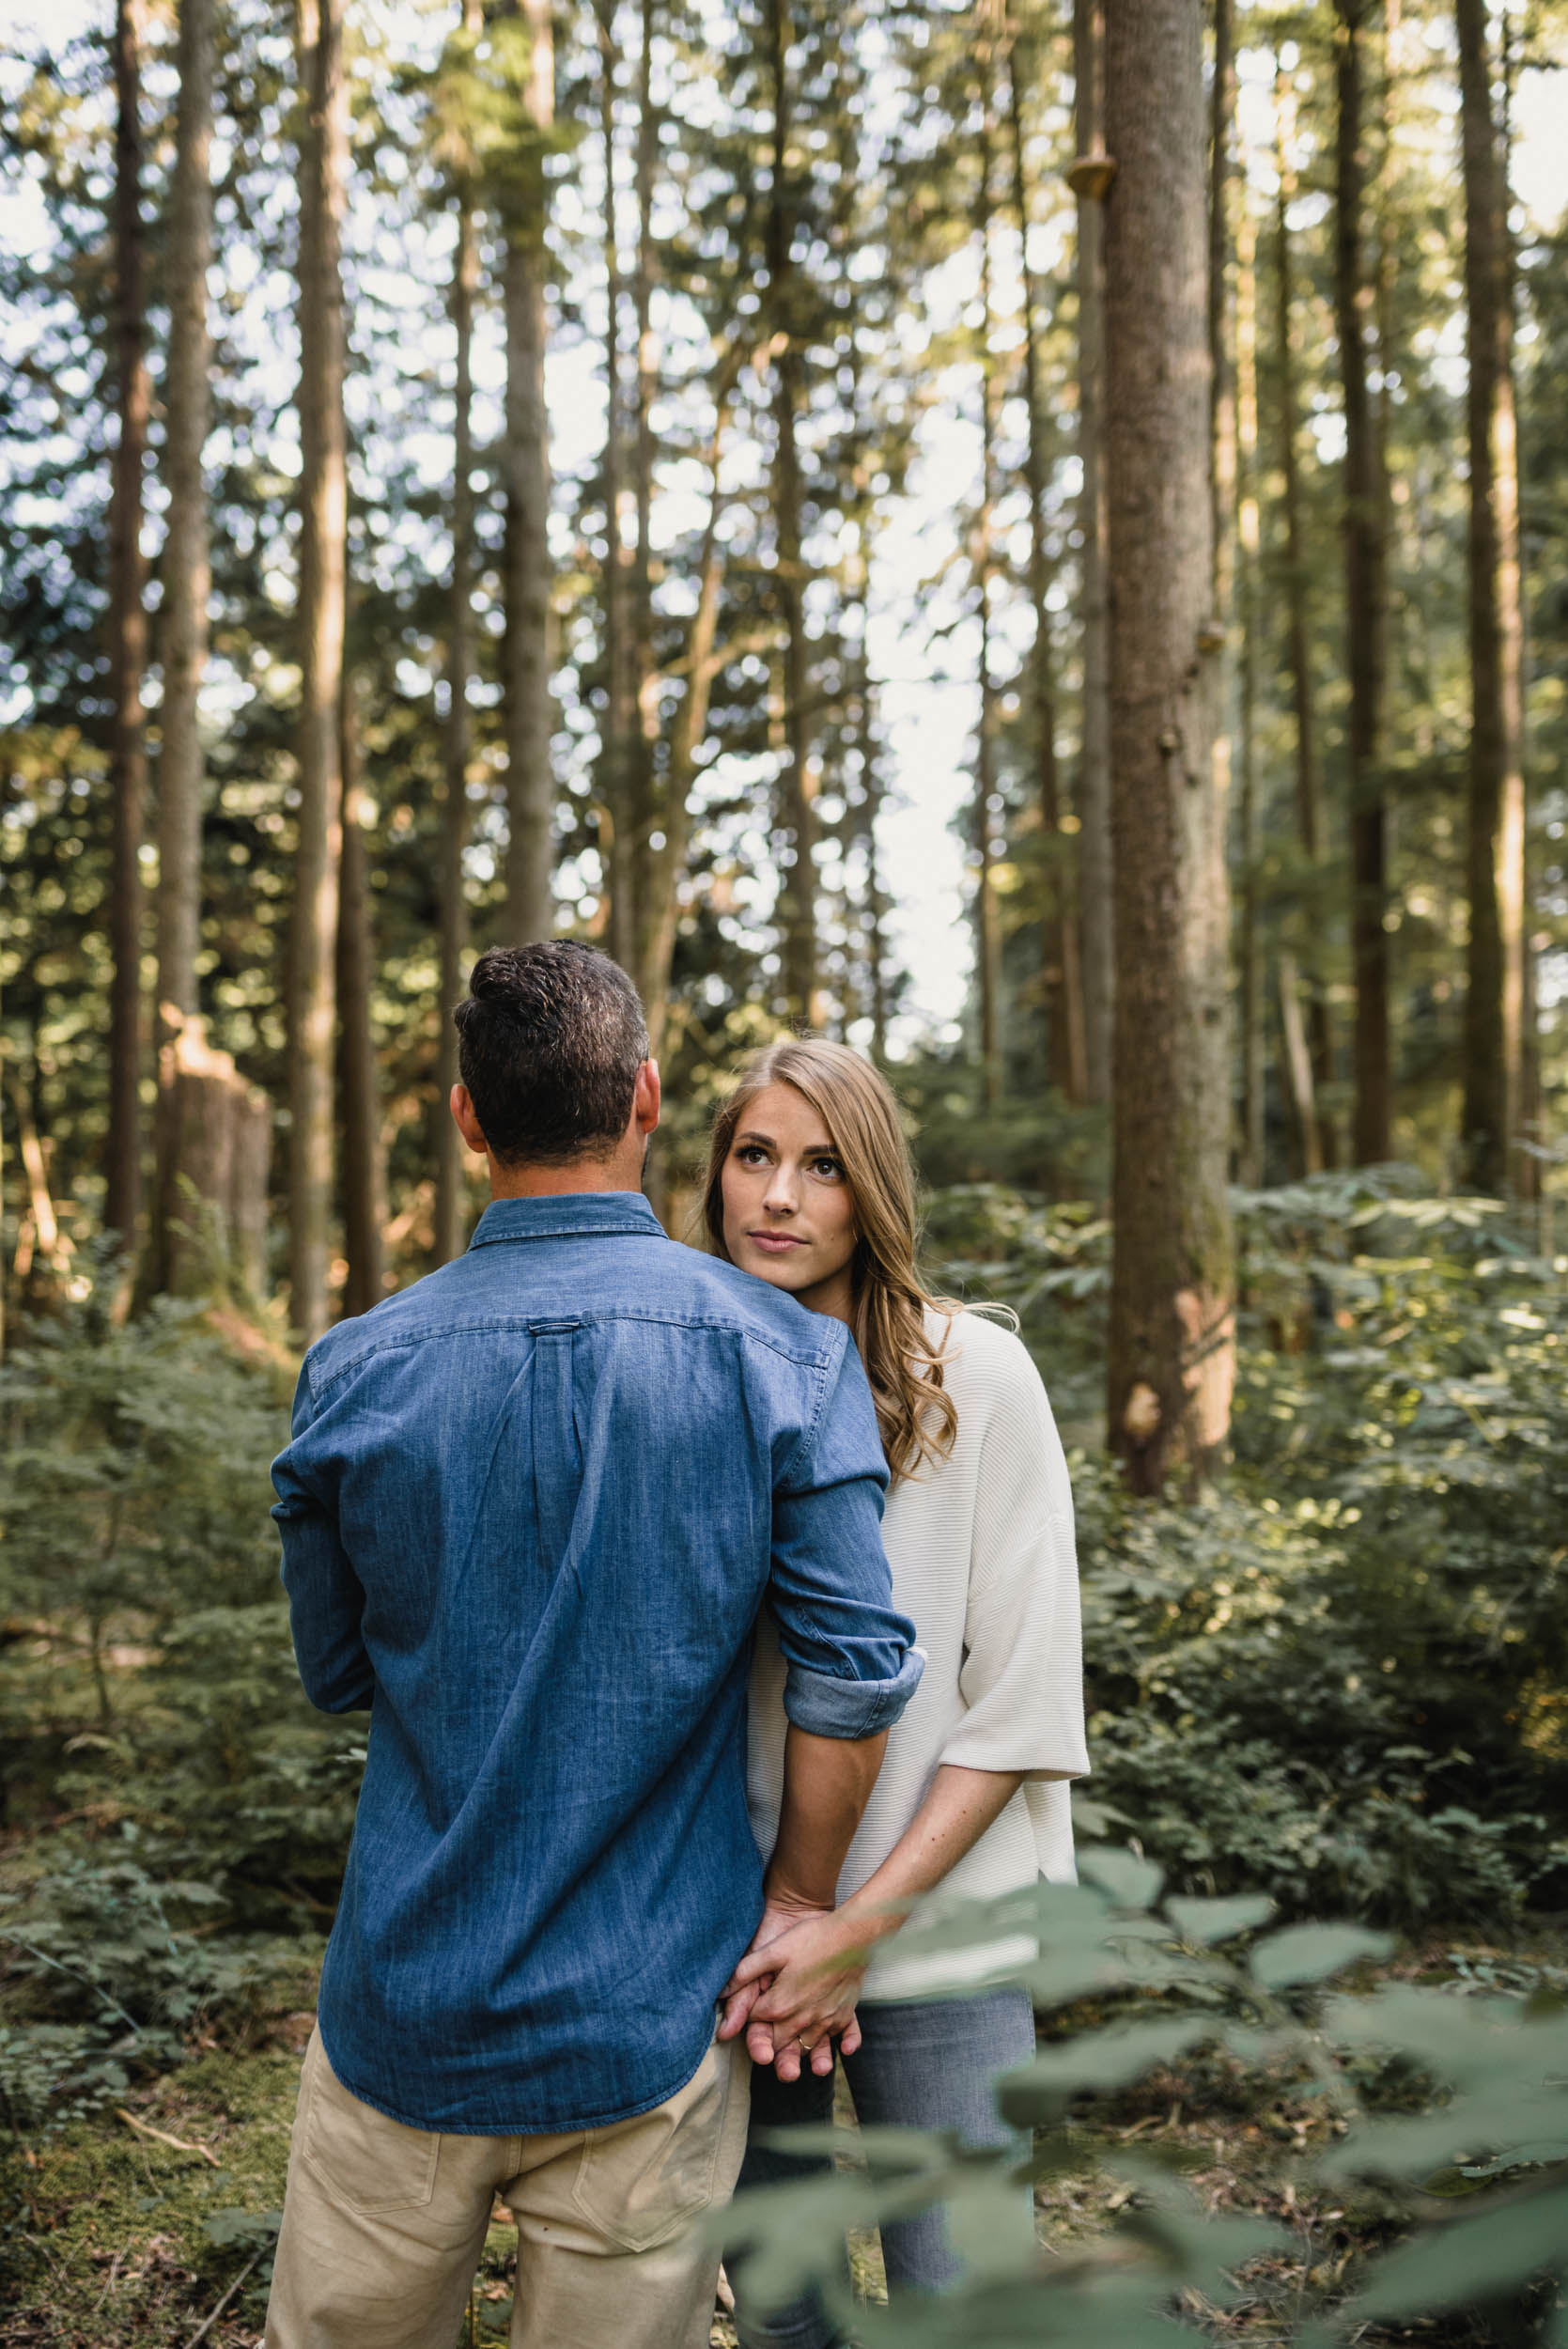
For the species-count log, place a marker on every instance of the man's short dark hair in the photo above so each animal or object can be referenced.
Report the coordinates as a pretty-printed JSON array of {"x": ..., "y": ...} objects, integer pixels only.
[{"x": 548, "y": 1044}]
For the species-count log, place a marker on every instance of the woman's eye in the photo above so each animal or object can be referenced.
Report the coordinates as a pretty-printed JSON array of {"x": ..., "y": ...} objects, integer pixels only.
[
  {"x": 750, "y": 1154},
  {"x": 828, "y": 1169}
]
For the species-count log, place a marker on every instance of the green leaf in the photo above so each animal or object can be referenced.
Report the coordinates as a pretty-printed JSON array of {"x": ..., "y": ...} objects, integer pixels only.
[
  {"x": 1304, "y": 1954},
  {"x": 1131, "y": 1882},
  {"x": 1203, "y": 1922},
  {"x": 1095, "y": 2060},
  {"x": 1470, "y": 2259}
]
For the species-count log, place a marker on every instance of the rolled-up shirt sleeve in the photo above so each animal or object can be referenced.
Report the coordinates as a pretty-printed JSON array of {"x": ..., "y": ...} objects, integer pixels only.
[
  {"x": 326, "y": 1599},
  {"x": 852, "y": 1663},
  {"x": 1022, "y": 1675}
]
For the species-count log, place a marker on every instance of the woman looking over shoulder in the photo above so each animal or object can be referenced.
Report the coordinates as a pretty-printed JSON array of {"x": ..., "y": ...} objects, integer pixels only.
[{"x": 810, "y": 1188}]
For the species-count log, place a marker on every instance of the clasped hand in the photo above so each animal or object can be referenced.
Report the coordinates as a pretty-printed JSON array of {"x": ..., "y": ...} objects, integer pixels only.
[{"x": 794, "y": 1992}]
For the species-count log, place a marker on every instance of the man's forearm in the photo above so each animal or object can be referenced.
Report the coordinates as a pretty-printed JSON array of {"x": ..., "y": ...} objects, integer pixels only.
[{"x": 826, "y": 1785}]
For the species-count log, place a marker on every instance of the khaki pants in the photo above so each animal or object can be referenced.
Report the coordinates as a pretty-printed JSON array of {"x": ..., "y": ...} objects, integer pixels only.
[{"x": 383, "y": 2225}]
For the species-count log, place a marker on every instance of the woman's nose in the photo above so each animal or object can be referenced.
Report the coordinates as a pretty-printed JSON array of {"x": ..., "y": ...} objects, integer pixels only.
[{"x": 779, "y": 1198}]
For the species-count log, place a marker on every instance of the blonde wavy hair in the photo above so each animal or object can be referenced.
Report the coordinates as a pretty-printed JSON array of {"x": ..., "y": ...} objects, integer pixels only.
[{"x": 915, "y": 1413}]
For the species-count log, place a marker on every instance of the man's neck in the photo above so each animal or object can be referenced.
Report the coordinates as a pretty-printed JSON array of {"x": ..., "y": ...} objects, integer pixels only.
[{"x": 621, "y": 1173}]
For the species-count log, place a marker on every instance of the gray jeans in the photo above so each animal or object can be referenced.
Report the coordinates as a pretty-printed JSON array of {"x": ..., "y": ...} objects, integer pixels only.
[{"x": 923, "y": 2067}]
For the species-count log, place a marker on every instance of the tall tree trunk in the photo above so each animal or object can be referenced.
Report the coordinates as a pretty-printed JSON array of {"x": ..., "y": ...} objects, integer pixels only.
[
  {"x": 1308, "y": 785},
  {"x": 646, "y": 680},
  {"x": 364, "y": 1174},
  {"x": 1171, "y": 1337},
  {"x": 1060, "y": 956},
  {"x": 617, "y": 750},
  {"x": 459, "y": 724},
  {"x": 187, "y": 582},
  {"x": 702, "y": 662},
  {"x": 1222, "y": 385},
  {"x": 127, "y": 644},
  {"x": 1366, "y": 602},
  {"x": 312, "y": 1004},
  {"x": 525, "y": 643},
  {"x": 988, "y": 932},
  {"x": 1494, "y": 1003},
  {"x": 1090, "y": 178},
  {"x": 1253, "y": 1152},
  {"x": 795, "y": 826}
]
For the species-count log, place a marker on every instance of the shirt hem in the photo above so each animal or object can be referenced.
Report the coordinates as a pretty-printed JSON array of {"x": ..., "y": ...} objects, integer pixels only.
[{"x": 574, "y": 2127}]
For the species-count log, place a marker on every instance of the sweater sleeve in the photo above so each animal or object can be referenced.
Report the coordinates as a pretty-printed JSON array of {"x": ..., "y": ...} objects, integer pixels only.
[{"x": 1022, "y": 1675}]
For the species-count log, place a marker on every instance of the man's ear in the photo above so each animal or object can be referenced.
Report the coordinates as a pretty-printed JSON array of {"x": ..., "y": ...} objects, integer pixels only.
[
  {"x": 466, "y": 1123},
  {"x": 646, "y": 1099}
]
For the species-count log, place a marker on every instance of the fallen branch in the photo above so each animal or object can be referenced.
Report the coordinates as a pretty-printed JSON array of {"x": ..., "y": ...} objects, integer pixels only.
[
  {"x": 202, "y": 2330},
  {"x": 180, "y": 2144}
]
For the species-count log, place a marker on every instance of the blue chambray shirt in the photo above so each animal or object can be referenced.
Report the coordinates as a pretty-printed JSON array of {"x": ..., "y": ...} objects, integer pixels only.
[{"x": 529, "y": 1511}]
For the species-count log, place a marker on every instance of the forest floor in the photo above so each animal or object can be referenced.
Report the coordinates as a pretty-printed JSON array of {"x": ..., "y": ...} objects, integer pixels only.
[{"x": 149, "y": 2227}]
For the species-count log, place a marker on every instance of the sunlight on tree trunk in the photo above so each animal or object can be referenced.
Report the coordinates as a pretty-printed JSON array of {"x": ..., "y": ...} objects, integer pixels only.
[
  {"x": 126, "y": 644},
  {"x": 1091, "y": 178},
  {"x": 1171, "y": 1335},
  {"x": 186, "y": 574},
  {"x": 312, "y": 995}
]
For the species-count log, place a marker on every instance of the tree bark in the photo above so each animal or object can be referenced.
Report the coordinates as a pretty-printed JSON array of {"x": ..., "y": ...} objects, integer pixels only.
[
  {"x": 364, "y": 1174},
  {"x": 616, "y": 753},
  {"x": 1308, "y": 785},
  {"x": 1366, "y": 602},
  {"x": 187, "y": 584},
  {"x": 126, "y": 644},
  {"x": 1091, "y": 178},
  {"x": 795, "y": 827},
  {"x": 449, "y": 1203},
  {"x": 646, "y": 680},
  {"x": 525, "y": 645},
  {"x": 1222, "y": 391},
  {"x": 1495, "y": 972},
  {"x": 1253, "y": 1150},
  {"x": 702, "y": 662},
  {"x": 312, "y": 1006},
  {"x": 985, "y": 818},
  {"x": 1061, "y": 968},
  {"x": 1171, "y": 1335}
]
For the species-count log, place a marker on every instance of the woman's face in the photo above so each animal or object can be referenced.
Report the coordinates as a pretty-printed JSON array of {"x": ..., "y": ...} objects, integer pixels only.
[{"x": 789, "y": 1213}]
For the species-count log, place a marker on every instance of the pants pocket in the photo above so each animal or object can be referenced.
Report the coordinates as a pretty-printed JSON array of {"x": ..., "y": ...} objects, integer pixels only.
[
  {"x": 641, "y": 2181},
  {"x": 366, "y": 2161}
]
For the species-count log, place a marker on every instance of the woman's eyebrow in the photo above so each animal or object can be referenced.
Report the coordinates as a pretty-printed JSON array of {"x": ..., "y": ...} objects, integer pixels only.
[{"x": 752, "y": 1135}]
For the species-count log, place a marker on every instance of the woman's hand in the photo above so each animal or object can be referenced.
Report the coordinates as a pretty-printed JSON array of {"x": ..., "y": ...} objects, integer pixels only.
[{"x": 795, "y": 1988}]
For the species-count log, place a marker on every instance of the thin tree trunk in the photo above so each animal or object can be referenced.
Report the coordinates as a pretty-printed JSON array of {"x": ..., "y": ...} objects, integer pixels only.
[
  {"x": 127, "y": 644},
  {"x": 364, "y": 1174},
  {"x": 187, "y": 581},
  {"x": 1059, "y": 957},
  {"x": 1308, "y": 787},
  {"x": 1171, "y": 1335},
  {"x": 1366, "y": 602},
  {"x": 988, "y": 933},
  {"x": 1254, "y": 1151},
  {"x": 312, "y": 1005},
  {"x": 525, "y": 643},
  {"x": 656, "y": 937},
  {"x": 796, "y": 821},
  {"x": 617, "y": 752},
  {"x": 646, "y": 681},
  {"x": 1494, "y": 1003},
  {"x": 1091, "y": 178},
  {"x": 1298, "y": 1067},
  {"x": 459, "y": 722},
  {"x": 1223, "y": 390}
]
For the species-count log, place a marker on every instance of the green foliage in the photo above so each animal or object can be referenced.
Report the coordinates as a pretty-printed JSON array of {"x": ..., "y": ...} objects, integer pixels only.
[
  {"x": 1176, "y": 1983},
  {"x": 1342, "y": 1679},
  {"x": 102, "y": 1985}
]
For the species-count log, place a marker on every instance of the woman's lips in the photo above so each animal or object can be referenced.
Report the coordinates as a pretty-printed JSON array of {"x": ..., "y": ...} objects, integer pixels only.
[{"x": 774, "y": 1243}]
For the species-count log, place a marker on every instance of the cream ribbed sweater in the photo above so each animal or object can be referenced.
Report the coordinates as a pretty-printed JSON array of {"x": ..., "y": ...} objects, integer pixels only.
[{"x": 983, "y": 1559}]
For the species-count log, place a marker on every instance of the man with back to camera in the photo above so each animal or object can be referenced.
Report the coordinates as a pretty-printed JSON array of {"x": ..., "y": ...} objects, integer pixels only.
[{"x": 530, "y": 1510}]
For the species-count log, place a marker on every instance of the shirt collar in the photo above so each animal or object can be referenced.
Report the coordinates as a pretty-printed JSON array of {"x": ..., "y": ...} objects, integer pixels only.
[{"x": 567, "y": 1215}]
